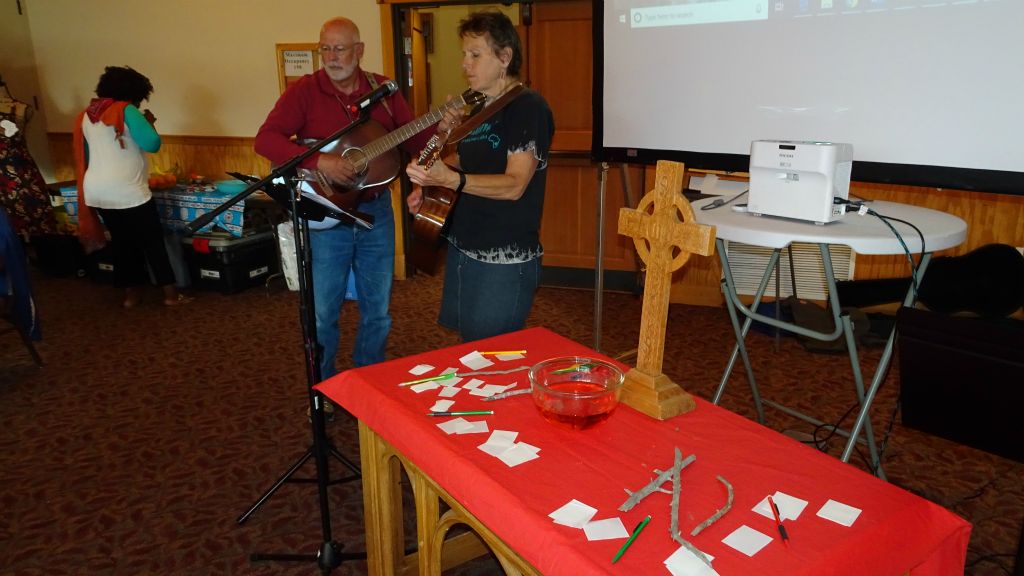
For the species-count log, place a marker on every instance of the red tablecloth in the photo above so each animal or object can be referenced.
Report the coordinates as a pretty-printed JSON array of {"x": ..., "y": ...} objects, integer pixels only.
[{"x": 896, "y": 533}]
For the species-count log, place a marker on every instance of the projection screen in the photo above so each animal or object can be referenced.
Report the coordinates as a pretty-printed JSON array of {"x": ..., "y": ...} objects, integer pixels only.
[{"x": 928, "y": 92}]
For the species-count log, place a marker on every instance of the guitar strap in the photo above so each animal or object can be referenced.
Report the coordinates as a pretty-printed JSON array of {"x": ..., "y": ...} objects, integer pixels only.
[
  {"x": 477, "y": 118},
  {"x": 373, "y": 86}
]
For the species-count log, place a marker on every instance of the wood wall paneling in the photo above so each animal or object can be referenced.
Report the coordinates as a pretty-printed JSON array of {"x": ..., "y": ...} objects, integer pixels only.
[
  {"x": 569, "y": 227},
  {"x": 561, "y": 51},
  {"x": 991, "y": 218},
  {"x": 208, "y": 156}
]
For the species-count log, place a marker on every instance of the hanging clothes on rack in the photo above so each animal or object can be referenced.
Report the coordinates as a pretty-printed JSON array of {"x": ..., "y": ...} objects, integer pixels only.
[{"x": 23, "y": 192}]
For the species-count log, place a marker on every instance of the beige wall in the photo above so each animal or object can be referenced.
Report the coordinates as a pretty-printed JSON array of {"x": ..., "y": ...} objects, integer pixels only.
[
  {"x": 212, "y": 62},
  {"x": 17, "y": 66},
  {"x": 446, "y": 62}
]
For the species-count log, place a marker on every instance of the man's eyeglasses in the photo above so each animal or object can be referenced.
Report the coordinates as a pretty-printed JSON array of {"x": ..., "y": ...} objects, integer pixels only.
[{"x": 340, "y": 50}]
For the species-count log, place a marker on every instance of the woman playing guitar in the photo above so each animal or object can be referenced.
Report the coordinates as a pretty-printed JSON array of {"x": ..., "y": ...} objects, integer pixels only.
[{"x": 493, "y": 261}]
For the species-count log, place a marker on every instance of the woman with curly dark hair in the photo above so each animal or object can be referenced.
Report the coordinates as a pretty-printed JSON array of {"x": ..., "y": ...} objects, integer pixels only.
[{"x": 111, "y": 138}]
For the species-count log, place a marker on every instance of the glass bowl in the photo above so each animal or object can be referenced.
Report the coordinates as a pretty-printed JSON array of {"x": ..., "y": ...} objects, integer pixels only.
[{"x": 576, "y": 392}]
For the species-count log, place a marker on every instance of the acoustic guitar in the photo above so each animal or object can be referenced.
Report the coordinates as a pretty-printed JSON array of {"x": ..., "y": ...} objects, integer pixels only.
[
  {"x": 373, "y": 152},
  {"x": 432, "y": 216},
  {"x": 438, "y": 202}
]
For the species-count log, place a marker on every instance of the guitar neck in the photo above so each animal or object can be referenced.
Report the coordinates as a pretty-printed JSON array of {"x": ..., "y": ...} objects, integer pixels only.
[{"x": 388, "y": 141}]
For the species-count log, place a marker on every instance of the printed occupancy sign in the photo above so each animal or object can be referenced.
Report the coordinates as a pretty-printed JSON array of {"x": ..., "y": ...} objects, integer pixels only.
[{"x": 298, "y": 62}]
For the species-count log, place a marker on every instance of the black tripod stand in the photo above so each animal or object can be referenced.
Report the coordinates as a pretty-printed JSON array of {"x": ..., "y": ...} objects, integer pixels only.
[{"x": 303, "y": 208}]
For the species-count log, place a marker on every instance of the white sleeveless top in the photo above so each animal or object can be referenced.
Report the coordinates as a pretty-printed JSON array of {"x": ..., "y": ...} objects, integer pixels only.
[{"x": 115, "y": 177}]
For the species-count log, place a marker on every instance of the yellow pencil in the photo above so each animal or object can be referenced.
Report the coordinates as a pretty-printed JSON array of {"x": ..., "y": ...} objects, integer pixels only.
[{"x": 497, "y": 352}]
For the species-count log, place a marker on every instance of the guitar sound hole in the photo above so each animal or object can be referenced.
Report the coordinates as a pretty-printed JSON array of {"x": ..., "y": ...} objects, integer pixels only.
[{"x": 358, "y": 159}]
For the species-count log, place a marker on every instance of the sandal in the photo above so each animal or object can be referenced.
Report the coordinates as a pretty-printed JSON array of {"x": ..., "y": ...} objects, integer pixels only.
[{"x": 181, "y": 299}]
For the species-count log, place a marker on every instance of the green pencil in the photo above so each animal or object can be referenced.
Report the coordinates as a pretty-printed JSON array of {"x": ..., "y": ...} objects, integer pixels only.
[
  {"x": 636, "y": 532},
  {"x": 429, "y": 379}
]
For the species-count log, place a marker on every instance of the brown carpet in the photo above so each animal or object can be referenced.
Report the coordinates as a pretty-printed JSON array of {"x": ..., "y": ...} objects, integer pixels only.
[{"x": 149, "y": 431}]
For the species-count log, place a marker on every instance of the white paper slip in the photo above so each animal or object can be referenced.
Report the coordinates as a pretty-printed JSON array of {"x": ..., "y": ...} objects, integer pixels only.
[
  {"x": 747, "y": 540},
  {"x": 607, "y": 529},
  {"x": 475, "y": 360},
  {"x": 424, "y": 386},
  {"x": 448, "y": 391},
  {"x": 476, "y": 427},
  {"x": 498, "y": 442},
  {"x": 839, "y": 513},
  {"x": 488, "y": 390},
  {"x": 442, "y": 405},
  {"x": 420, "y": 369},
  {"x": 454, "y": 425},
  {"x": 449, "y": 370},
  {"x": 683, "y": 562},
  {"x": 493, "y": 449},
  {"x": 574, "y": 514},
  {"x": 507, "y": 357},
  {"x": 790, "y": 507},
  {"x": 450, "y": 382},
  {"x": 473, "y": 384},
  {"x": 518, "y": 454},
  {"x": 525, "y": 446},
  {"x": 504, "y": 438}
]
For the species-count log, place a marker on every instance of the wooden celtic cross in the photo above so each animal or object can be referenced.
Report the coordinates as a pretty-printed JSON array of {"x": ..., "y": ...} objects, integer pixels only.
[{"x": 664, "y": 242}]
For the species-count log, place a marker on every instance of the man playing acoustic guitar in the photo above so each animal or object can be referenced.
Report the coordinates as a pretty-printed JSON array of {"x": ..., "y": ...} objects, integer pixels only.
[{"x": 314, "y": 107}]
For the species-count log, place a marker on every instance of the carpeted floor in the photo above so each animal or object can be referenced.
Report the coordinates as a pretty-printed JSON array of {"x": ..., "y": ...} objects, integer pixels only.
[{"x": 149, "y": 431}]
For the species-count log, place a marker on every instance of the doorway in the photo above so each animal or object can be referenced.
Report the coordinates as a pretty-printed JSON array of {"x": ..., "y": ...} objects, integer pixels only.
[{"x": 428, "y": 50}]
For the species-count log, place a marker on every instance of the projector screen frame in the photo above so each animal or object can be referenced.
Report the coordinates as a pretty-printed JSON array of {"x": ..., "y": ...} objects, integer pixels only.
[{"x": 996, "y": 181}]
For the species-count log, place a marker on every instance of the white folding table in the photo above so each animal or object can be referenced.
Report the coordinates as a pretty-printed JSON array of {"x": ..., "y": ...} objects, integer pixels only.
[{"x": 864, "y": 234}]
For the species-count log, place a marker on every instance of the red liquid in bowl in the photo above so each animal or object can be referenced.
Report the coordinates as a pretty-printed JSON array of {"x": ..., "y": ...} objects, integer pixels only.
[{"x": 577, "y": 413}]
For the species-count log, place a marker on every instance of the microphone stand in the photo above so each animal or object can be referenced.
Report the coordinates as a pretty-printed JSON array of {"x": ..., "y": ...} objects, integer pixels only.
[{"x": 302, "y": 209}]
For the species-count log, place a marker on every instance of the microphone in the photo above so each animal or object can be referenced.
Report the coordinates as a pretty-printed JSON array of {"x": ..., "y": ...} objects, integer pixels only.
[{"x": 383, "y": 91}]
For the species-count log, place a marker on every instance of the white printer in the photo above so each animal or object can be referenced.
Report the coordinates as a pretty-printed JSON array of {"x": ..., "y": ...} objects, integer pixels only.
[{"x": 799, "y": 179}]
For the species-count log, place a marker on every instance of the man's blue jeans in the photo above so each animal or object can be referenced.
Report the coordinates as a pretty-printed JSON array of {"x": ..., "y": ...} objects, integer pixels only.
[{"x": 370, "y": 254}]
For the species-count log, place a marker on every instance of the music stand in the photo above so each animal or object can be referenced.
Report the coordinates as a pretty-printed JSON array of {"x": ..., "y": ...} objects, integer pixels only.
[{"x": 303, "y": 207}]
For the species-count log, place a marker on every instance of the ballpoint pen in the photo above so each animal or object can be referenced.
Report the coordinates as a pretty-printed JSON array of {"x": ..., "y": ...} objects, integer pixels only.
[
  {"x": 778, "y": 521},
  {"x": 636, "y": 532},
  {"x": 464, "y": 413}
]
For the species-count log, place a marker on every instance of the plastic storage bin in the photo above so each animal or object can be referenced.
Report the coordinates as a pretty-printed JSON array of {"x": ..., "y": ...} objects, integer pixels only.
[{"x": 230, "y": 265}]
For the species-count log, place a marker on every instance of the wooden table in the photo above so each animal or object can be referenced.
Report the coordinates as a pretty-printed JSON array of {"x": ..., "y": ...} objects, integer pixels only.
[{"x": 509, "y": 507}]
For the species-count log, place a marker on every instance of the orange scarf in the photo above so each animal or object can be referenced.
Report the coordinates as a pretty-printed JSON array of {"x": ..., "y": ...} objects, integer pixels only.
[{"x": 110, "y": 112}]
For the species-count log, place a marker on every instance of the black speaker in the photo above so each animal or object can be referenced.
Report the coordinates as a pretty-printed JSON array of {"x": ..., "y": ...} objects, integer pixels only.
[{"x": 962, "y": 378}]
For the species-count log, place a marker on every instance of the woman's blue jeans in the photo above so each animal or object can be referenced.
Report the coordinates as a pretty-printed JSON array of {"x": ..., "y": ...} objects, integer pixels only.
[
  {"x": 370, "y": 255},
  {"x": 481, "y": 299}
]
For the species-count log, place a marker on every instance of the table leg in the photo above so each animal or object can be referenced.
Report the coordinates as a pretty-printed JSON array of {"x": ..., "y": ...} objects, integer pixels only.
[
  {"x": 431, "y": 540},
  {"x": 883, "y": 364},
  {"x": 731, "y": 303},
  {"x": 841, "y": 327},
  {"x": 436, "y": 552},
  {"x": 858, "y": 381},
  {"x": 843, "y": 321},
  {"x": 382, "y": 504}
]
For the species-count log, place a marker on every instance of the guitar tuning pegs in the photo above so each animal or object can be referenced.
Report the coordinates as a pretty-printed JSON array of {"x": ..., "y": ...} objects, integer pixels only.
[{"x": 429, "y": 149}]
